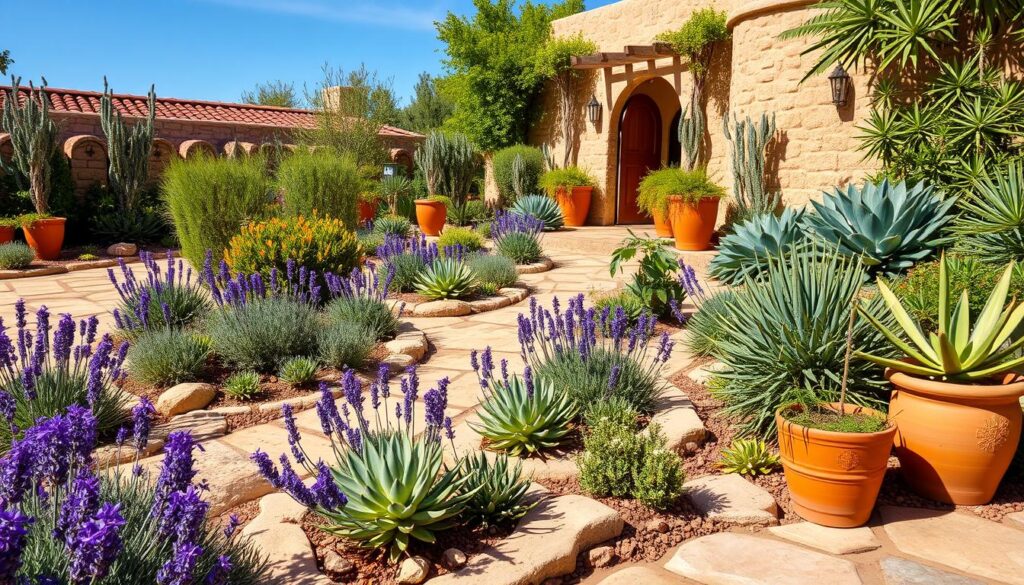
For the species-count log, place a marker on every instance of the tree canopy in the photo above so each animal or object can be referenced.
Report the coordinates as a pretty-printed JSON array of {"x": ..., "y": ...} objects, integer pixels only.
[
  {"x": 273, "y": 93},
  {"x": 429, "y": 108}
]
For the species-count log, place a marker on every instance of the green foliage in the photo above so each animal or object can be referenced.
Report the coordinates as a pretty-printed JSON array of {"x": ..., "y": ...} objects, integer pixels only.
[
  {"x": 519, "y": 247},
  {"x": 34, "y": 140},
  {"x": 587, "y": 380},
  {"x": 469, "y": 213},
  {"x": 748, "y": 457},
  {"x": 166, "y": 357},
  {"x": 263, "y": 334},
  {"x": 517, "y": 171},
  {"x": 492, "y": 272},
  {"x": 15, "y": 256},
  {"x": 210, "y": 199},
  {"x": 128, "y": 149},
  {"x": 370, "y": 314},
  {"x": 523, "y": 419},
  {"x": 704, "y": 330},
  {"x": 889, "y": 226},
  {"x": 446, "y": 278},
  {"x": 5, "y": 61},
  {"x": 449, "y": 162},
  {"x": 497, "y": 490},
  {"x": 369, "y": 241},
  {"x": 826, "y": 419},
  {"x": 187, "y": 304},
  {"x": 408, "y": 268},
  {"x": 392, "y": 225},
  {"x": 429, "y": 107},
  {"x": 393, "y": 189},
  {"x": 991, "y": 226},
  {"x": 744, "y": 253},
  {"x": 659, "y": 481},
  {"x": 565, "y": 178},
  {"x": 554, "y": 61},
  {"x": 320, "y": 182},
  {"x": 615, "y": 410},
  {"x": 749, "y": 141},
  {"x": 666, "y": 182},
  {"x": 345, "y": 344},
  {"x": 242, "y": 385},
  {"x": 273, "y": 93},
  {"x": 767, "y": 365},
  {"x": 320, "y": 244},
  {"x": 696, "y": 39},
  {"x": 632, "y": 305},
  {"x": 541, "y": 207},
  {"x": 299, "y": 371},
  {"x": 141, "y": 226},
  {"x": 468, "y": 238},
  {"x": 655, "y": 282}
]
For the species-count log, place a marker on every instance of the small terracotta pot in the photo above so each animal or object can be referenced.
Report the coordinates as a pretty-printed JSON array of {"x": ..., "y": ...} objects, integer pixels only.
[
  {"x": 693, "y": 224},
  {"x": 45, "y": 236},
  {"x": 954, "y": 441},
  {"x": 431, "y": 215},
  {"x": 6, "y": 233},
  {"x": 575, "y": 204},
  {"x": 662, "y": 225},
  {"x": 367, "y": 211},
  {"x": 833, "y": 478}
]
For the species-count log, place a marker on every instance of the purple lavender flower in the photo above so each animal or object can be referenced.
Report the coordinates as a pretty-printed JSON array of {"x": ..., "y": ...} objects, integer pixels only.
[
  {"x": 13, "y": 532},
  {"x": 83, "y": 429},
  {"x": 184, "y": 515},
  {"x": 325, "y": 490},
  {"x": 267, "y": 468},
  {"x": 142, "y": 418},
  {"x": 528, "y": 381},
  {"x": 177, "y": 470},
  {"x": 220, "y": 572},
  {"x": 613, "y": 378},
  {"x": 7, "y": 407},
  {"x": 293, "y": 485},
  {"x": 179, "y": 568},
  {"x": 294, "y": 438},
  {"x": 80, "y": 503},
  {"x": 16, "y": 472},
  {"x": 95, "y": 545},
  {"x": 232, "y": 525}
]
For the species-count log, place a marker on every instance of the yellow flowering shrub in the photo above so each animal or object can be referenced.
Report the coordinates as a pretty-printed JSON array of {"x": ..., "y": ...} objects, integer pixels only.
[{"x": 322, "y": 244}]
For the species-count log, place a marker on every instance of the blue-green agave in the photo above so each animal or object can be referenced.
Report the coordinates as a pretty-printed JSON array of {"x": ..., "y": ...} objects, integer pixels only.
[
  {"x": 446, "y": 278},
  {"x": 522, "y": 418},
  {"x": 744, "y": 252},
  {"x": 890, "y": 226},
  {"x": 542, "y": 207}
]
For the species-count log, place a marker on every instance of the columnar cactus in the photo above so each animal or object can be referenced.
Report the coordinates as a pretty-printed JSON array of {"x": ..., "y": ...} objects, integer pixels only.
[
  {"x": 691, "y": 134},
  {"x": 749, "y": 141},
  {"x": 128, "y": 149},
  {"x": 34, "y": 138},
  {"x": 518, "y": 176}
]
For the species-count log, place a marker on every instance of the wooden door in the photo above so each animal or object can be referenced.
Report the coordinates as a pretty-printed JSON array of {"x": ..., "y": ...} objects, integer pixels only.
[{"x": 639, "y": 152}]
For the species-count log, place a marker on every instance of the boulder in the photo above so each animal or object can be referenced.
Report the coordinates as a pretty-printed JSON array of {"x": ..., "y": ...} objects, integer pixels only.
[
  {"x": 122, "y": 249},
  {"x": 414, "y": 346},
  {"x": 454, "y": 558},
  {"x": 413, "y": 571},
  {"x": 443, "y": 308},
  {"x": 185, "y": 397}
]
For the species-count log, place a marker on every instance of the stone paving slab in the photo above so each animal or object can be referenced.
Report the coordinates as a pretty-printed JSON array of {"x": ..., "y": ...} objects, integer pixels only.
[
  {"x": 277, "y": 531},
  {"x": 837, "y": 541},
  {"x": 644, "y": 575},
  {"x": 730, "y": 498},
  {"x": 897, "y": 571}
]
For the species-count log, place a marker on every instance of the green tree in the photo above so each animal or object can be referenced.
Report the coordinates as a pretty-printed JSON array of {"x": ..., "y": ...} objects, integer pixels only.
[
  {"x": 5, "y": 61},
  {"x": 491, "y": 57},
  {"x": 554, "y": 62},
  {"x": 273, "y": 93},
  {"x": 429, "y": 108}
]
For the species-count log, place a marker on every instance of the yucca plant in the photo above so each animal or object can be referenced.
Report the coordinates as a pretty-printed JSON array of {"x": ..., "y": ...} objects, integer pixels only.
[
  {"x": 992, "y": 225},
  {"x": 446, "y": 278},
  {"x": 522, "y": 417},
  {"x": 541, "y": 207},
  {"x": 748, "y": 457},
  {"x": 497, "y": 490},
  {"x": 891, "y": 226},
  {"x": 961, "y": 349},
  {"x": 745, "y": 251}
]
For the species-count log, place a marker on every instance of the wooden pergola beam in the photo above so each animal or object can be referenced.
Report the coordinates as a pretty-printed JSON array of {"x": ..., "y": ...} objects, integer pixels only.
[{"x": 630, "y": 54}]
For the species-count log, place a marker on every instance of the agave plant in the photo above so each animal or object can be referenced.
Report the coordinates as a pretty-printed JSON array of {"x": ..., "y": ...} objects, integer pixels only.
[
  {"x": 890, "y": 226},
  {"x": 957, "y": 351},
  {"x": 521, "y": 417},
  {"x": 748, "y": 457},
  {"x": 745, "y": 251},
  {"x": 446, "y": 278},
  {"x": 541, "y": 207},
  {"x": 497, "y": 490},
  {"x": 992, "y": 225}
]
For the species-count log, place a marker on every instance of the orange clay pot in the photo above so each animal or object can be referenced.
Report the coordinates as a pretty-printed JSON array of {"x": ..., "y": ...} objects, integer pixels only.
[
  {"x": 575, "y": 204},
  {"x": 833, "y": 478},
  {"x": 662, "y": 226},
  {"x": 367, "y": 211},
  {"x": 955, "y": 441},
  {"x": 431, "y": 215},
  {"x": 45, "y": 236},
  {"x": 693, "y": 223},
  {"x": 6, "y": 233}
]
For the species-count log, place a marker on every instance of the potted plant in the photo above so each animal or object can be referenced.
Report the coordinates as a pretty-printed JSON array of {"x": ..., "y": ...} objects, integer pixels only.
[
  {"x": 572, "y": 188},
  {"x": 955, "y": 399},
  {"x": 692, "y": 204},
  {"x": 43, "y": 233},
  {"x": 367, "y": 205},
  {"x": 653, "y": 199},
  {"x": 448, "y": 162},
  {"x": 834, "y": 455},
  {"x": 431, "y": 213},
  {"x": 7, "y": 227}
]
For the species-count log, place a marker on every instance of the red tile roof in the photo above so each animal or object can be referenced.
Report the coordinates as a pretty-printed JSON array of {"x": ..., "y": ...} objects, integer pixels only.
[{"x": 88, "y": 102}]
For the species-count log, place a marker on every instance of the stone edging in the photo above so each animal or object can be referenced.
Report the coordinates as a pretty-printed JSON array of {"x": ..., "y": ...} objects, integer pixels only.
[
  {"x": 542, "y": 265},
  {"x": 456, "y": 308},
  {"x": 64, "y": 268}
]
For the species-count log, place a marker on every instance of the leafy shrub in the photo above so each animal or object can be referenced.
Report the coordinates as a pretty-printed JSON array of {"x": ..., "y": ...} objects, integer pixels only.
[
  {"x": 705, "y": 330},
  {"x": 211, "y": 198},
  {"x": 446, "y": 278},
  {"x": 168, "y": 296},
  {"x": 616, "y": 410},
  {"x": 320, "y": 244},
  {"x": 745, "y": 251},
  {"x": 611, "y": 301},
  {"x": 659, "y": 481},
  {"x": 140, "y": 226},
  {"x": 15, "y": 256},
  {"x": 264, "y": 333},
  {"x": 370, "y": 314},
  {"x": 516, "y": 179},
  {"x": 656, "y": 282},
  {"x": 165, "y": 357},
  {"x": 565, "y": 178},
  {"x": 369, "y": 241},
  {"x": 467, "y": 238},
  {"x": 492, "y": 272},
  {"x": 691, "y": 186},
  {"x": 992, "y": 225},
  {"x": 748, "y": 457},
  {"x": 344, "y": 344},
  {"x": 541, "y": 207},
  {"x": 299, "y": 371},
  {"x": 484, "y": 229},
  {"x": 521, "y": 248},
  {"x": 320, "y": 182},
  {"x": 496, "y": 490},
  {"x": 392, "y": 225},
  {"x": 243, "y": 385}
]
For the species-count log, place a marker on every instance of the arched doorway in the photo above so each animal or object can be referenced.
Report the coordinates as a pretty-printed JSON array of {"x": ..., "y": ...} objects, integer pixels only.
[{"x": 639, "y": 152}]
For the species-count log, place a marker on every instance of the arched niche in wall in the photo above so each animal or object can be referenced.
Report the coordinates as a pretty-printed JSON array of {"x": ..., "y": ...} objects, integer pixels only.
[
  {"x": 192, "y": 148},
  {"x": 238, "y": 148},
  {"x": 160, "y": 157},
  {"x": 89, "y": 163},
  {"x": 402, "y": 157},
  {"x": 6, "y": 148}
]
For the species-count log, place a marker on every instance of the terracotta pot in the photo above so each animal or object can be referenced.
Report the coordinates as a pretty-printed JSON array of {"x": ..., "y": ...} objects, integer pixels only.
[
  {"x": 662, "y": 225},
  {"x": 431, "y": 215},
  {"x": 367, "y": 211},
  {"x": 833, "y": 478},
  {"x": 693, "y": 224},
  {"x": 575, "y": 204},
  {"x": 6, "y": 233},
  {"x": 954, "y": 441},
  {"x": 45, "y": 236}
]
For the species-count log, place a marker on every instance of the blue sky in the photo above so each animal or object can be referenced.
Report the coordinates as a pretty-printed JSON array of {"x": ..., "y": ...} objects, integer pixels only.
[{"x": 215, "y": 49}]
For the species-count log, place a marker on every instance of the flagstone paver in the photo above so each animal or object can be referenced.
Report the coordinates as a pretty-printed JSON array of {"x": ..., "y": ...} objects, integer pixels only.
[
  {"x": 897, "y": 571},
  {"x": 838, "y": 541},
  {"x": 644, "y": 575},
  {"x": 730, "y": 498}
]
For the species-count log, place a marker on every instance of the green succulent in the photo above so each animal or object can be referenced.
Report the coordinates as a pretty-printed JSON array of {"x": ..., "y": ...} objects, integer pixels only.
[
  {"x": 961, "y": 348},
  {"x": 392, "y": 225},
  {"x": 397, "y": 491},
  {"x": 446, "y": 278},
  {"x": 748, "y": 457},
  {"x": 992, "y": 225},
  {"x": 299, "y": 370},
  {"x": 520, "y": 420},
  {"x": 497, "y": 490},
  {"x": 889, "y": 225},
  {"x": 541, "y": 207},
  {"x": 745, "y": 251},
  {"x": 243, "y": 385}
]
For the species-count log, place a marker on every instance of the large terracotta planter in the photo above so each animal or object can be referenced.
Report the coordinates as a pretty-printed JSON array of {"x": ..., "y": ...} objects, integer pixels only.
[
  {"x": 693, "y": 224},
  {"x": 367, "y": 211},
  {"x": 662, "y": 225},
  {"x": 6, "y": 233},
  {"x": 431, "y": 215},
  {"x": 45, "y": 236},
  {"x": 575, "y": 204},
  {"x": 954, "y": 441},
  {"x": 833, "y": 478}
]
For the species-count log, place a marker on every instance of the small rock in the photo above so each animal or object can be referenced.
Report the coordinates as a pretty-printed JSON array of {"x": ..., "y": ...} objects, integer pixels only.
[
  {"x": 413, "y": 571},
  {"x": 600, "y": 556},
  {"x": 185, "y": 397},
  {"x": 657, "y": 526},
  {"x": 691, "y": 447},
  {"x": 397, "y": 362},
  {"x": 414, "y": 348},
  {"x": 335, "y": 563},
  {"x": 454, "y": 558},
  {"x": 122, "y": 249}
]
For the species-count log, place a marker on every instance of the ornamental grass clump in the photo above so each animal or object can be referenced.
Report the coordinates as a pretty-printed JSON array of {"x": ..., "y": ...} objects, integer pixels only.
[
  {"x": 569, "y": 351},
  {"x": 15, "y": 256},
  {"x": 167, "y": 297},
  {"x": 492, "y": 273},
  {"x": 517, "y": 237},
  {"x": 359, "y": 301},
  {"x": 387, "y": 485},
  {"x": 168, "y": 356}
]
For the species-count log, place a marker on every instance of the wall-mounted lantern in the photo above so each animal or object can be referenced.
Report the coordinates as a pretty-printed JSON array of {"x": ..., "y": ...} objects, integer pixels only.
[
  {"x": 839, "y": 79},
  {"x": 594, "y": 110}
]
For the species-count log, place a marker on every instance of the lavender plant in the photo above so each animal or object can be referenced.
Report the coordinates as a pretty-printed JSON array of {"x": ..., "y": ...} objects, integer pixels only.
[
  {"x": 236, "y": 289},
  {"x": 704, "y": 329},
  {"x": 386, "y": 486},
  {"x": 165, "y": 297},
  {"x": 517, "y": 237},
  {"x": 42, "y": 375},
  {"x": 406, "y": 258},
  {"x": 359, "y": 302},
  {"x": 566, "y": 349}
]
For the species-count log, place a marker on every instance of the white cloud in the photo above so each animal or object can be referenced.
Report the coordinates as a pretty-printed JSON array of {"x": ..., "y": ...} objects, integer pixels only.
[{"x": 388, "y": 14}]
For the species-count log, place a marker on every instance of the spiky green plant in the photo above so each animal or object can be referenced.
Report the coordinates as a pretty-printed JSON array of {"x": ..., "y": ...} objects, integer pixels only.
[
  {"x": 891, "y": 226},
  {"x": 448, "y": 162},
  {"x": 744, "y": 252},
  {"x": 446, "y": 278},
  {"x": 524, "y": 418},
  {"x": 749, "y": 141},
  {"x": 243, "y": 385},
  {"x": 704, "y": 330},
  {"x": 748, "y": 457},
  {"x": 992, "y": 225},
  {"x": 392, "y": 225},
  {"x": 299, "y": 371},
  {"x": 961, "y": 348},
  {"x": 34, "y": 140},
  {"x": 497, "y": 490},
  {"x": 541, "y": 207},
  {"x": 128, "y": 148}
]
